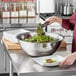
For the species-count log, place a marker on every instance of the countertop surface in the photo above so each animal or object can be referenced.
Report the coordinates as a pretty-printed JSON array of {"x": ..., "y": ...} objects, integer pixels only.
[{"x": 24, "y": 64}]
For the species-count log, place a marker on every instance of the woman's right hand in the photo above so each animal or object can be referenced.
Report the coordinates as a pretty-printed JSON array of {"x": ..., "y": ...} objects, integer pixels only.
[
  {"x": 54, "y": 19},
  {"x": 69, "y": 60}
]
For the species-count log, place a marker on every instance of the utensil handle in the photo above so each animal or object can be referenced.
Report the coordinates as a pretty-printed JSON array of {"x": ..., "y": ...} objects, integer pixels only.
[{"x": 45, "y": 24}]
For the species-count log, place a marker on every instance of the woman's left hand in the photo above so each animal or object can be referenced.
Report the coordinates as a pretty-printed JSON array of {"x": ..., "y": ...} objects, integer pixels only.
[
  {"x": 54, "y": 19},
  {"x": 69, "y": 60}
]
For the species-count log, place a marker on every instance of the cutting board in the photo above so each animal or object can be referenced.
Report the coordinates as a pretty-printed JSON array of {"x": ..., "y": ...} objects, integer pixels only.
[
  {"x": 11, "y": 46},
  {"x": 63, "y": 44}
]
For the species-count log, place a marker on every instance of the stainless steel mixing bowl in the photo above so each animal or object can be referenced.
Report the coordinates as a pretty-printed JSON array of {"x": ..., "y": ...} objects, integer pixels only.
[{"x": 38, "y": 49}]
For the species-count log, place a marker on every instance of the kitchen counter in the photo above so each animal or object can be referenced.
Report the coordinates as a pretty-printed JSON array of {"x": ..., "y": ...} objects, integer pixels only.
[{"x": 24, "y": 65}]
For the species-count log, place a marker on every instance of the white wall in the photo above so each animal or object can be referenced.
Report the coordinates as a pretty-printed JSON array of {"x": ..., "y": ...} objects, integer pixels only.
[{"x": 74, "y": 3}]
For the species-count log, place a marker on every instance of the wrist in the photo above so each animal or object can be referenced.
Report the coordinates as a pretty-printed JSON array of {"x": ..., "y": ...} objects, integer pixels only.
[
  {"x": 59, "y": 20},
  {"x": 74, "y": 54}
]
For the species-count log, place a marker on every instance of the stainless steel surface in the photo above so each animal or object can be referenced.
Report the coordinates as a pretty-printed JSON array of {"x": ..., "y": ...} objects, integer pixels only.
[
  {"x": 4, "y": 59},
  {"x": 38, "y": 49},
  {"x": 69, "y": 9},
  {"x": 66, "y": 9},
  {"x": 24, "y": 65},
  {"x": 11, "y": 69}
]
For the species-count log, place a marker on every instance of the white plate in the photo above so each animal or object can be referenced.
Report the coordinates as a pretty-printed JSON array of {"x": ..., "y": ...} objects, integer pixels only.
[{"x": 41, "y": 60}]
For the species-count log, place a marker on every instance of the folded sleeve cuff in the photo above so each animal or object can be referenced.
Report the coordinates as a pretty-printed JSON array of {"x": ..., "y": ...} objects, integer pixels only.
[{"x": 65, "y": 23}]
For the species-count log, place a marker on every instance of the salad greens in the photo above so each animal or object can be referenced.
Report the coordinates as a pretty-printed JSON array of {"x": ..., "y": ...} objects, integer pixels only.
[{"x": 40, "y": 37}]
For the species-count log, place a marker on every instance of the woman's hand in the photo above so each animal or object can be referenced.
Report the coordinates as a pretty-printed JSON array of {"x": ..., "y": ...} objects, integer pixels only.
[
  {"x": 54, "y": 19},
  {"x": 69, "y": 60}
]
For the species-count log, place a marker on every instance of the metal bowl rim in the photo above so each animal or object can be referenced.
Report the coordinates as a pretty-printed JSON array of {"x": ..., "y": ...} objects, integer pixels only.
[{"x": 37, "y": 42}]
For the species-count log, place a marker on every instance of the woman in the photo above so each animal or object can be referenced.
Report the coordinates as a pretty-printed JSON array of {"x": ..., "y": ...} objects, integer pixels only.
[{"x": 69, "y": 24}]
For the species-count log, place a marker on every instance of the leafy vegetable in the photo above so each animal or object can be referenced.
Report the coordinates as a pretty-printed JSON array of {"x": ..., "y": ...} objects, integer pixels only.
[{"x": 40, "y": 37}]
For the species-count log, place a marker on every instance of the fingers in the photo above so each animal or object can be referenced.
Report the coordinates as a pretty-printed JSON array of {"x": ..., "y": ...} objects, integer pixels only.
[
  {"x": 66, "y": 62},
  {"x": 63, "y": 62},
  {"x": 50, "y": 20},
  {"x": 69, "y": 60},
  {"x": 54, "y": 19}
]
